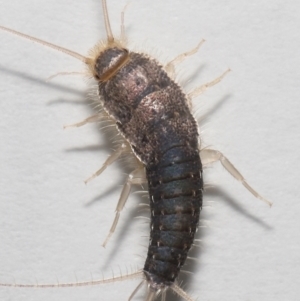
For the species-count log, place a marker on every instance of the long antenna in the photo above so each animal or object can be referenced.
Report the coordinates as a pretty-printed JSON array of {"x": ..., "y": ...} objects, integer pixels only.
[
  {"x": 50, "y": 45},
  {"x": 77, "y": 284},
  {"x": 110, "y": 37}
]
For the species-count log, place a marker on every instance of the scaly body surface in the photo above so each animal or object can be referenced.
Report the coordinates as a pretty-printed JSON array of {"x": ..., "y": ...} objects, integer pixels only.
[{"x": 152, "y": 113}]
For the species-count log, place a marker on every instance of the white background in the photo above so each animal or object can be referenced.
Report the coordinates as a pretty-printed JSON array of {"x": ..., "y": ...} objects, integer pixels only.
[{"x": 52, "y": 225}]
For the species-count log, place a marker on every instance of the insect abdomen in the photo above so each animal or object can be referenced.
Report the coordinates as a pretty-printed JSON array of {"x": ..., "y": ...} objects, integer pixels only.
[{"x": 175, "y": 189}]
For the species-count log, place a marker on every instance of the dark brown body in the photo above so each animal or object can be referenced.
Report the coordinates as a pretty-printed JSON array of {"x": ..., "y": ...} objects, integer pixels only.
[{"x": 152, "y": 114}]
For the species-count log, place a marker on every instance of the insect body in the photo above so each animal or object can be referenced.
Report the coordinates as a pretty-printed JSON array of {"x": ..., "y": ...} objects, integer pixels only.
[
  {"x": 152, "y": 113},
  {"x": 154, "y": 117}
]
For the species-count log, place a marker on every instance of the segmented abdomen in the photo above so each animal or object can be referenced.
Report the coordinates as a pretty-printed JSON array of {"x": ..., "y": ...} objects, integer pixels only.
[{"x": 175, "y": 189}]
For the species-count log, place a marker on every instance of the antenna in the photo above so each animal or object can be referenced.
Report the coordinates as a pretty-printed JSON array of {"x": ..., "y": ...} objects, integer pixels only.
[
  {"x": 47, "y": 44},
  {"x": 110, "y": 37},
  {"x": 77, "y": 284}
]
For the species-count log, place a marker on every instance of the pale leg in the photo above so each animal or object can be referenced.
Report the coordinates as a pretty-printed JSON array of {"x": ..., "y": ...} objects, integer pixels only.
[
  {"x": 135, "y": 177},
  {"x": 170, "y": 67},
  {"x": 91, "y": 119},
  {"x": 210, "y": 156},
  {"x": 67, "y": 73},
  {"x": 199, "y": 90},
  {"x": 112, "y": 158}
]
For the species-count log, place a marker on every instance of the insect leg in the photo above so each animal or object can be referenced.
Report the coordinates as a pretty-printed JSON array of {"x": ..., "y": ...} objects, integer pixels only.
[
  {"x": 135, "y": 177},
  {"x": 112, "y": 158},
  {"x": 91, "y": 119},
  {"x": 199, "y": 90},
  {"x": 66, "y": 73},
  {"x": 210, "y": 156},
  {"x": 170, "y": 67}
]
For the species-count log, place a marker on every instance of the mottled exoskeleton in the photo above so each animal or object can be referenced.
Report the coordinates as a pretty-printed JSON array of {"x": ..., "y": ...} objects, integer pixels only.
[{"x": 153, "y": 115}]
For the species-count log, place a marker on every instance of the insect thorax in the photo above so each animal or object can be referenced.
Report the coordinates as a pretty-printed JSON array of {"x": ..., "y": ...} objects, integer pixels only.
[{"x": 149, "y": 108}]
